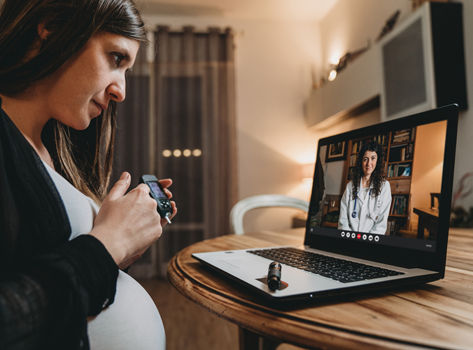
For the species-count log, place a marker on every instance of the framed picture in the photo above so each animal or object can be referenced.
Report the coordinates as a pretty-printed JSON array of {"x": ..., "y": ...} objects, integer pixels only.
[{"x": 336, "y": 151}]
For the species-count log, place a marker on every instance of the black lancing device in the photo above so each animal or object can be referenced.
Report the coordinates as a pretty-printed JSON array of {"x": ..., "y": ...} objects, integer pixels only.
[
  {"x": 274, "y": 275},
  {"x": 157, "y": 192}
]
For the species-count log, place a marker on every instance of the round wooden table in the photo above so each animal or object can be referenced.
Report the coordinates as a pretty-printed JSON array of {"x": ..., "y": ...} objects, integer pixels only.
[{"x": 434, "y": 315}]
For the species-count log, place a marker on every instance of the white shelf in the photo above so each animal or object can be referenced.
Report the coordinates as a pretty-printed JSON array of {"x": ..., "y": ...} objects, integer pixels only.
[{"x": 359, "y": 83}]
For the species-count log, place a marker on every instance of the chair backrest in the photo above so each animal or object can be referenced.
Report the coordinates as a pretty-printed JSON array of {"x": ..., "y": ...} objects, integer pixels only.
[{"x": 261, "y": 201}]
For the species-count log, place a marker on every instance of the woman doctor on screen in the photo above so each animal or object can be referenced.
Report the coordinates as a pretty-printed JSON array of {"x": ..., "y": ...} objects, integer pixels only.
[{"x": 366, "y": 201}]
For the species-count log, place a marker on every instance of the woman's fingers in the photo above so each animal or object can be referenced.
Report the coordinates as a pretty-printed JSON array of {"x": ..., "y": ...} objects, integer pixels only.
[
  {"x": 164, "y": 222},
  {"x": 166, "y": 183},
  {"x": 119, "y": 188},
  {"x": 174, "y": 209},
  {"x": 127, "y": 224}
]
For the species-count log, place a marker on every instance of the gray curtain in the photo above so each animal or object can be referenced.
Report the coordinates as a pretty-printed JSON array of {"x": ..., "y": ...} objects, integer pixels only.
[
  {"x": 195, "y": 113},
  {"x": 178, "y": 121}
]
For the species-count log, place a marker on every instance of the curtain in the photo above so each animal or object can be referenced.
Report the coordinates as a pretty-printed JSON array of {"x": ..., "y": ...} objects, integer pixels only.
[
  {"x": 178, "y": 121},
  {"x": 195, "y": 132}
]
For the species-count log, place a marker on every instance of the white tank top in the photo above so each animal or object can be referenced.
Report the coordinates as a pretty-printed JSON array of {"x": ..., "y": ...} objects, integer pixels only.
[{"x": 132, "y": 321}]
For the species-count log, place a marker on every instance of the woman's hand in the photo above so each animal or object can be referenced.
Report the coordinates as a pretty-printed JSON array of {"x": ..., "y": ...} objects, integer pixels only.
[
  {"x": 165, "y": 183},
  {"x": 127, "y": 224}
]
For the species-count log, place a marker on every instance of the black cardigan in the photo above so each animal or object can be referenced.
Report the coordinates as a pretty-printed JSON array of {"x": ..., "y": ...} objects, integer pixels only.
[{"x": 48, "y": 284}]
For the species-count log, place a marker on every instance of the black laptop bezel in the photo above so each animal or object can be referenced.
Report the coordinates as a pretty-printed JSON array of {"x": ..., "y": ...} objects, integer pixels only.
[{"x": 404, "y": 257}]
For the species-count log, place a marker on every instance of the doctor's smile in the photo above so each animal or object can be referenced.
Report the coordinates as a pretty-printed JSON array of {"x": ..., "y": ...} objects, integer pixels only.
[{"x": 369, "y": 164}]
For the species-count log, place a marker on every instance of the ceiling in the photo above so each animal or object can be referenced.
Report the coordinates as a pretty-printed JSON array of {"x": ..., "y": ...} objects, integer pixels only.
[{"x": 307, "y": 10}]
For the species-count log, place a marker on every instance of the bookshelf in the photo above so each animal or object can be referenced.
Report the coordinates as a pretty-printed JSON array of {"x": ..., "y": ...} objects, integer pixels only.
[
  {"x": 398, "y": 148},
  {"x": 400, "y": 154}
]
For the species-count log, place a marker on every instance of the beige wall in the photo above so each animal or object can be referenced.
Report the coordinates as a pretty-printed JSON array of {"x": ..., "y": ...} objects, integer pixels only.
[
  {"x": 350, "y": 24},
  {"x": 427, "y": 166}
]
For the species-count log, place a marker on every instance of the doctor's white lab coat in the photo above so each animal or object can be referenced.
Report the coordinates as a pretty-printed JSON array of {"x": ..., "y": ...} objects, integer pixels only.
[{"x": 371, "y": 212}]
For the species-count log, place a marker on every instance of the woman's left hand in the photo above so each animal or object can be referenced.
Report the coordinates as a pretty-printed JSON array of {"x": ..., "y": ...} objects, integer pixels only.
[{"x": 167, "y": 183}]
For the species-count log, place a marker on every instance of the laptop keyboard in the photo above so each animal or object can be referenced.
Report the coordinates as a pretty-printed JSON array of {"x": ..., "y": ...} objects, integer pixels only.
[{"x": 338, "y": 269}]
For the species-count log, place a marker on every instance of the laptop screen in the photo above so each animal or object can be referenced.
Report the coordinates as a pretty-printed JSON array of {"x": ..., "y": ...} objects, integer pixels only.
[{"x": 385, "y": 185}]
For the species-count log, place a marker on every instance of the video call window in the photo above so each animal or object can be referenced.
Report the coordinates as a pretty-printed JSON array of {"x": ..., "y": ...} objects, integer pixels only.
[{"x": 386, "y": 184}]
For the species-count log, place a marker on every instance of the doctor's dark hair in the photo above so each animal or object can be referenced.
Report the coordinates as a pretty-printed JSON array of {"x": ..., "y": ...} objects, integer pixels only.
[
  {"x": 377, "y": 177},
  {"x": 26, "y": 58}
]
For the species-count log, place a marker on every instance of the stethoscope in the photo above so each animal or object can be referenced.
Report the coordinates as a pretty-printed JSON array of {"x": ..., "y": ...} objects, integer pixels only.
[{"x": 354, "y": 213}]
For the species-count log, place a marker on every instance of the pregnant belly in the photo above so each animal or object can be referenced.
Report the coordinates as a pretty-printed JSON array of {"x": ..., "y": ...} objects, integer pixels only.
[{"x": 131, "y": 322}]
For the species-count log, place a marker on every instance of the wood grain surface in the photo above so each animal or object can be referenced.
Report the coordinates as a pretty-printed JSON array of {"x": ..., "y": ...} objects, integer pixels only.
[{"x": 434, "y": 315}]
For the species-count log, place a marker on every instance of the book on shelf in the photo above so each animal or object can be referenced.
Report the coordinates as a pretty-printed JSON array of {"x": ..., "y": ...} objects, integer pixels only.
[
  {"x": 402, "y": 136},
  {"x": 413, "y": 134},
  {"x": 406, "y": 171},
  {"x": 399, "y": 206},
  {"x": 393, "y": 226},
  {"x": 400, "y": 153},
  {"x": 380, "y": 139},
  {"x": 355, "y": 147},
  {"x": 390, "y": 228},
  {"x": 399, "y": 170},
  {"x": 353, "y": 160}
]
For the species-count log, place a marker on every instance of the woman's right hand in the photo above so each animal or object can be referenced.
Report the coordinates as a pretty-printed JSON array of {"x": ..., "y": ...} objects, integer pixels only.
[{"x": 127, "y": 224}]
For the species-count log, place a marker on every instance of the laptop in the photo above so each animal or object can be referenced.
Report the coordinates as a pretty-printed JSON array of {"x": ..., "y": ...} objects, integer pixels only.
[{"x": 394, "y": 234}]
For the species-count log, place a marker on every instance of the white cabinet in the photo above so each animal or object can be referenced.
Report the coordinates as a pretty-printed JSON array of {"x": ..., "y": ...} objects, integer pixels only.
[
  {"x": 358, "y": 84},
  {"x": 417, "y": 66}
]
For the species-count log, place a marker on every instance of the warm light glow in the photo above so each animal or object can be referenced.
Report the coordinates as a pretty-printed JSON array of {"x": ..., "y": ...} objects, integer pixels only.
[
  {"x": 301, "y": 190},
  {"x": 332, "y": 75},
  {"x": 307, "y": 171},
  {"x": 336, "y": 49},
  {"x": 178, "y": 153}
]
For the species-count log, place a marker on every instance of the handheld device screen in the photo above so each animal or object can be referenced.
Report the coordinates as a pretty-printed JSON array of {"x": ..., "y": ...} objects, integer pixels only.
[{"x": 157, "y": 190}]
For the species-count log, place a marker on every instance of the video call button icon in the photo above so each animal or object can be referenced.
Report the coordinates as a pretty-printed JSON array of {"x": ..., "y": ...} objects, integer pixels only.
[
  {"x": 364, "y": 237},
  {"x": 353, "y": 235}
]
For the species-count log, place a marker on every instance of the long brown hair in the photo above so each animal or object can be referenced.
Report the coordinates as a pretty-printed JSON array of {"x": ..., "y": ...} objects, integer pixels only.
[
  {"x": 377, "y": 177},
  {"x": 82, "y": 157}
]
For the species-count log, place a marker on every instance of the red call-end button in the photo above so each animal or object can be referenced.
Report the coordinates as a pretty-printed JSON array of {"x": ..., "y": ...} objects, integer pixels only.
[{"x": 358, "y": 236}]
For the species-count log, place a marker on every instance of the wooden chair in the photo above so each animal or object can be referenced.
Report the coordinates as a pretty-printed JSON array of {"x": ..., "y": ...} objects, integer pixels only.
[{"x": 262, "y": 201}]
